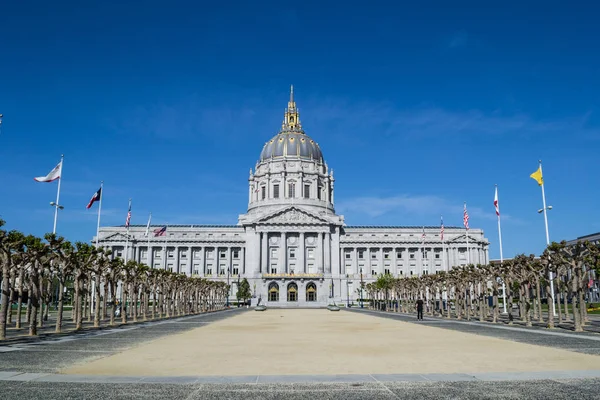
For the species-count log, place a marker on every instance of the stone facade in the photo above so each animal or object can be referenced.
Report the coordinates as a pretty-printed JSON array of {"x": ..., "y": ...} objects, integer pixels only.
[{"x": 290, "y": 244}]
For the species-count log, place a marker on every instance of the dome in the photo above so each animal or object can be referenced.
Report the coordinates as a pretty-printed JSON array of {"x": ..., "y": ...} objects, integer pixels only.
[
  {"x": 291, "y": 141},
  {"x": 290, "y": 144}
]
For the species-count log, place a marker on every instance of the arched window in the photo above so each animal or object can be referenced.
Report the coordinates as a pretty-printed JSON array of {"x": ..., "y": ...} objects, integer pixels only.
[
  {"x": 273, "y": 291},
  {"x": 292, "y": 292},
  {"x": 311, "y": 292}
]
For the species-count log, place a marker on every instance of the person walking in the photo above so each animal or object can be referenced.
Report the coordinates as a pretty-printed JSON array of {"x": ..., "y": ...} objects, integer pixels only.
[{"x": 420, "y": 309}]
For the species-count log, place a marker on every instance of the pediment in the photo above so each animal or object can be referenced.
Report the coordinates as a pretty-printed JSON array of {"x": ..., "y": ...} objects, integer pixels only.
[
  {"x": 293, "y": 215},
  {"x": 117, "y": 236}
]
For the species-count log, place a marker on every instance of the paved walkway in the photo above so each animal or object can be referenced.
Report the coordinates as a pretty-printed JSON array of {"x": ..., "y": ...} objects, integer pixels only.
[{"x": 32, "y": 370}]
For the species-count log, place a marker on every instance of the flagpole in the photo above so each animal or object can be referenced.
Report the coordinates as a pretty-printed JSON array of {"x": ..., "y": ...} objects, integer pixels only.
[
  {"x": 62, "y": 157},
  {"x": 99, "y": 211},
  {"x": 501, "y": 256},
  {"x": 166, "y": 251},
  {"x": 127, "y": 237},
  {"x": 148, "y": 248},
  {"x": 547, "y": 237},
  {"x": 467, "y": 236},
  {"x": 92, "y": 305}
]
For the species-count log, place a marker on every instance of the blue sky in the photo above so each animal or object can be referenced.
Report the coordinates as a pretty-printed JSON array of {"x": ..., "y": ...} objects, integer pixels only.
[{"x": 417, "y": 108}]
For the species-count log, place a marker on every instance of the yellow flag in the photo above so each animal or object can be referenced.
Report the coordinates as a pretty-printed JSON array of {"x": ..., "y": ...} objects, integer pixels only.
[{"x": 537, "y": 175}]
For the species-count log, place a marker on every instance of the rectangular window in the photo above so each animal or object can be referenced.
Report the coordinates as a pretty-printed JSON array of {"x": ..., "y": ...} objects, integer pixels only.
[
  {"x": 208, "y": 271},
  {"x": 273, "y": 270},
  {"x": 170, "y": 254},
  {"x": 195, "y": 271},
  {"x": 348, "y": 255},
  {"x": 311, "y": 253},
  {"x": 386, "y": 255},
  {"x": 222, "y": 254},
  {"x": 183, "y": 255},
  {"x": 292, "y": 253},
  {"x": 319, "y": 190},
  {"x": 273, "y": 253},
  {"x": 196, "y": 253},
  {"x": 143, "y": 253},
  {"x": 263, "y": 192},
  {"x": 170, "y": 267},
  {"x": 412, "y": 255},
  {"x": 236, "y": 271},
  {"x": 119, "y": 253},
  {"x": 275, "y": 191},
  {"x": 387, "y": 271},
  {"x": 425, "y": 272},
  {"x": 398, "y": 254},
  {"x": 292, "y": 190},
  {"x": 374, "y": 255},
  {"x": 236, "y": 254},
  {"x": 437, "y": 255},
  {"x": 373, "y": 272},
  {"x": 307, "y": 191},
  {"x": 196, "y": 268},
  {"x": 156, "y": 265},
  {"x": 361, "y": 254}
]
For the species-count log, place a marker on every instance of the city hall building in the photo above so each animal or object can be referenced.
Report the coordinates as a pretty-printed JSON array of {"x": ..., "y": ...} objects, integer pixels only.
[{"x": 290, "y": 244}]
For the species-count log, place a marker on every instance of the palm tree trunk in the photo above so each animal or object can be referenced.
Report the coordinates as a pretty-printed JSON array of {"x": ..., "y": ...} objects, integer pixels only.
[
  {"x": 59, "y": 314},
  {"x": 558, "y": 307},
  {"x": 134, "y": 300},
  {"x": 35, "y": 298},
  {"x": 105, "y": 299},
  {"x": 550, "y": 298},
  {"x": 113, "y": 300},
  {"x": 124, "y": 287},
  {"x": 79, "y": 304},
  {"x": 4, "y": 303},
  {"x": 10, "y": 298},
  {"x": 566, "y": 306},
  {"x": 97, "y": 303},
  {"x": 538, "y": 294},
  {"x": 20, "y": 297}
]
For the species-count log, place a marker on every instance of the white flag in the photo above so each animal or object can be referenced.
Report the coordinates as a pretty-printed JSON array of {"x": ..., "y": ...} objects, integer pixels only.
[
  {"x": 52, "y": 176},
  {"x": 148, "y": 226}
]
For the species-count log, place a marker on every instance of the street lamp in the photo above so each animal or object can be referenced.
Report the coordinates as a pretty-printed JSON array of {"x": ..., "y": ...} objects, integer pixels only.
[
  {"x": 53, "y": 204},
  {"x": 541, "y": 210}
]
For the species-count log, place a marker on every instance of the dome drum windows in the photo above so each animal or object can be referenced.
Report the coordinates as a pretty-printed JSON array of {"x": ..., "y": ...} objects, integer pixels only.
[{"x": 292, "y": 190}]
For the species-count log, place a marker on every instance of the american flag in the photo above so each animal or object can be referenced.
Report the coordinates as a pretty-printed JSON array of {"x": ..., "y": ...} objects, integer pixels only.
[
  {"x": 423, "y": 237},
  {"x": 160, "y": 231},
  {"x": 128, "y": 220},
  {"x": 442, "y": 230},
  {"x": 466, "y": 217}
]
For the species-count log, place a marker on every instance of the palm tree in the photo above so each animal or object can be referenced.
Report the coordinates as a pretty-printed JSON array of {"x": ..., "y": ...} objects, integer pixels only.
[{"x": 10, "y": 242}]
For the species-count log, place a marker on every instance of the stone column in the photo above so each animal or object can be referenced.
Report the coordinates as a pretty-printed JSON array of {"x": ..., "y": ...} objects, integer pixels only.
[
  {"x": 319, "y": 260},
  {"x": 283, "y": 246},
  {"x": 264, "y": 244},
  {"x": 354, "y": 261},
  {"x": 149, "y": 256},
  {"x": 394, "y": 267},
  {"x": 176, "y": 259},
  {"x": 327, "y": 243},
  {"x": 243, "y": 260},
  {"x": 301, "y": 254},
  {"x": 203, "y": 255},
  {"x": 190, "y": 261}
]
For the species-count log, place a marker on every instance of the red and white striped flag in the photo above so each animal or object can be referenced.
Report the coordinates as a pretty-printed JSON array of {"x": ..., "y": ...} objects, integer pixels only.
[
  {"x": 442, "y": 229},
  {"x": 128, "y": 220},
  {"x": 466, "y": 217},
  {"x": 496, "y": 202}
]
